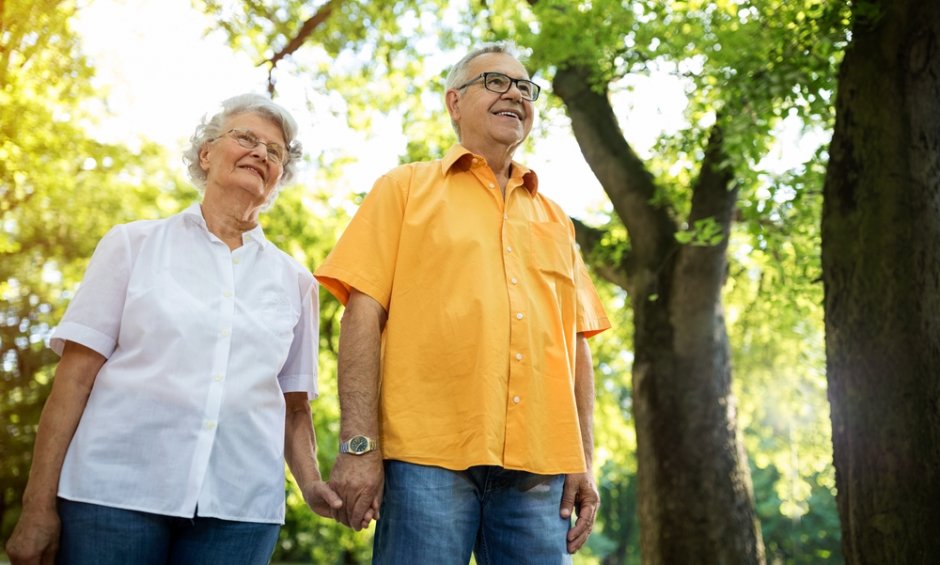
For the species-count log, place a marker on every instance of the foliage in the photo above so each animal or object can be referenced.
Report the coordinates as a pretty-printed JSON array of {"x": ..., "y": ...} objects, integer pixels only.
[
  {"x": 60, "y": 190},
  {"x": 750, "y": 65}
]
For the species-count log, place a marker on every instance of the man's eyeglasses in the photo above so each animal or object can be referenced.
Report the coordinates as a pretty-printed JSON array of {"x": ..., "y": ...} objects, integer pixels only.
[
  {"x": 277, "y": 154},
  {"x": 500, "y": 83}
]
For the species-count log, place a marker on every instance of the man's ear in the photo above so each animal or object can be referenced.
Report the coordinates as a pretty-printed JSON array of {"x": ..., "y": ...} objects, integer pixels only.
[{"x": 453, "y": 104}]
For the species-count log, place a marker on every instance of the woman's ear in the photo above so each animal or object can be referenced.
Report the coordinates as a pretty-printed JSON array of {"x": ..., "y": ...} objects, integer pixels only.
[{"x": 204, "y": 157}]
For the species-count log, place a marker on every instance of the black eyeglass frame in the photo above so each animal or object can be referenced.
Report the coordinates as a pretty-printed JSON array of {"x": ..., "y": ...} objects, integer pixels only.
[{"x": 485, "y": 77}]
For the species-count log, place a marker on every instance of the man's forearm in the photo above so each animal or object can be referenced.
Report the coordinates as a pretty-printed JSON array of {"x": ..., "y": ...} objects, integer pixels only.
[
  {"x": 358, "y": 366},
  {"x": 584, "y": 397}
]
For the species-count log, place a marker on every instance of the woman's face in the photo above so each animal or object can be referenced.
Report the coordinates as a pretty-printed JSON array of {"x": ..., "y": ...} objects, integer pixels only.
[{"x": 245, "y": 171}]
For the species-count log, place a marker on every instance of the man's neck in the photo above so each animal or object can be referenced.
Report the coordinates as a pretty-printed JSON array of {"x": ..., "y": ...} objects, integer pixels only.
[{"x": 499, "y": 159}]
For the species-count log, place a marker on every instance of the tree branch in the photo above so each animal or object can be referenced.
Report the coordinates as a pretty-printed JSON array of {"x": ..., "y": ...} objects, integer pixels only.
[
  {"x": 305, "y": 31},
  {"x": 620, "y": 171},
  {"x": 713, "y": 196},
  {"x": 589, "y": 239}
]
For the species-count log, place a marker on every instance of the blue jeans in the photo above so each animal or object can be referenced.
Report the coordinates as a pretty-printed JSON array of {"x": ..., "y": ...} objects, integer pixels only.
[
  {"x": 434, "y": 515},
  {"x": 102, "y": 535}
]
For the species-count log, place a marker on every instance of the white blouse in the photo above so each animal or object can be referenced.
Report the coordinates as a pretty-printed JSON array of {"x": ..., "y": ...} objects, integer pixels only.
[{"x": 186, "y": 415}]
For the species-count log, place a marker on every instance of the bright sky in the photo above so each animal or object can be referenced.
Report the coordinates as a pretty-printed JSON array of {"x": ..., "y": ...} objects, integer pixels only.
[{"x": 162, "y": 73}]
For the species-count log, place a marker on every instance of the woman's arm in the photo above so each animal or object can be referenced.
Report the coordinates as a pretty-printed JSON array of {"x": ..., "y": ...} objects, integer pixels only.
[
  {"x": 300, "y": 450},
  {"x": 36, "y": 536}
]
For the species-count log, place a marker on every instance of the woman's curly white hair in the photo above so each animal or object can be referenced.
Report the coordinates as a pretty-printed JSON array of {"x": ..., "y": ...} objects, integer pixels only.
[{"x": 211, "y": 129}]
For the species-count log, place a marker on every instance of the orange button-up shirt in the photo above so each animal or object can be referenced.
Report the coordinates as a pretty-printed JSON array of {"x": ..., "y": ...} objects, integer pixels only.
[{"x": 485, "y": 296}]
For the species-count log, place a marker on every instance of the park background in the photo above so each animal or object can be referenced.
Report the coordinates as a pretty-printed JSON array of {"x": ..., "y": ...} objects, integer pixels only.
[{"x": 690, "y": 142}]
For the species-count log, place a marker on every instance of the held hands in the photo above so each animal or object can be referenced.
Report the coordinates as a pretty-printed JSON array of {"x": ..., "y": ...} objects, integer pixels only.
[
  {"x": 35, "y": 539},
  {"x": 322, "y": 499},
  {"x": 581, "y": 492},
  {"x": 359, "y": 481}
]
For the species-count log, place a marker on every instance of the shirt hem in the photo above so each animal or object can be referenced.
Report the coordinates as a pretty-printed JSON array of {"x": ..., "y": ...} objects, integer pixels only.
[{"x": 172, "y": 514}]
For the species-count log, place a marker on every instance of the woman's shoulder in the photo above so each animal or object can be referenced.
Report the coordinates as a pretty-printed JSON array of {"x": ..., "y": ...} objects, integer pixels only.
[{"x": 288, "y": 263}]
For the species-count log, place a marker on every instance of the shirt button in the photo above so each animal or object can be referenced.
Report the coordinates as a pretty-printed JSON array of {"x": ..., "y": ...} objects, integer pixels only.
[
  {"x": 509, "y": 249},
  {"x": 505, "y": 216},
  {"x": 227, "y": 293},
  {"x": 519, "y": 316},
  {"x": 514, "y": 280},
  {"x": 518, "y": 357},
  {"x": 236, "y": 260},
  {"x": 225, "y": 333},
  {"x": 217, "y": 377},
  {"x": 210, "y": 425},
  {"x": 516, "y": 399},
  {"x": 491, "y": 185}
]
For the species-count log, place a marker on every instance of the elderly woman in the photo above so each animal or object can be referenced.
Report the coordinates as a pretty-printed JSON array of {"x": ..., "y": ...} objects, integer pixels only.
[{"x": 187, "y": 365}]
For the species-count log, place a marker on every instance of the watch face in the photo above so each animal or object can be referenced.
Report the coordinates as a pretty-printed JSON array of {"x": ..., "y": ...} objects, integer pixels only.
[{"x": 358, "y": 444}]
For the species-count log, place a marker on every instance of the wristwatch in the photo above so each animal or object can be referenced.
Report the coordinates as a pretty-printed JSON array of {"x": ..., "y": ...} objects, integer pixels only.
[{"x": 358, "y": 445}]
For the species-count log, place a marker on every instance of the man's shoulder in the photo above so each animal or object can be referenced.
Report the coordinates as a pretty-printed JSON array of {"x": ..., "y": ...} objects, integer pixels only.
[
  {"x": 556, "y": 212},
  {"x": 415, "y": 168}
]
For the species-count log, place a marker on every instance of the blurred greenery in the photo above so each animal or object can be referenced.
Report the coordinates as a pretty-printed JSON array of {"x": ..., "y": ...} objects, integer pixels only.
[{"x": 61, "y": 189}]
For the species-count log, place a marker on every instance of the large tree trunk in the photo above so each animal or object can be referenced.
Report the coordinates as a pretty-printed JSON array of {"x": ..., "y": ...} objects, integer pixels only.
[
  {"x": 695, "y": 500},
  {"x": 881, "y": 268}
]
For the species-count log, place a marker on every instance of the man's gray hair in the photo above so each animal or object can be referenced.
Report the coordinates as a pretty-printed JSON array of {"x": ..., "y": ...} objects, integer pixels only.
[
  {"x": 458, "y": 73},
  {"x": 210, "y": 129}
]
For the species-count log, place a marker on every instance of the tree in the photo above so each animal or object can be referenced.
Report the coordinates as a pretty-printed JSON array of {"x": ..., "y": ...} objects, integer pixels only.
[
  {"x": 748, "y": 65},
  {"x": 881, "y": 265},
  {"x": 59, "y": 192}
]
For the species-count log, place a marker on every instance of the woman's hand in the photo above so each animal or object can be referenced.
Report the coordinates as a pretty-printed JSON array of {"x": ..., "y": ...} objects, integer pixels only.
[
  {"x": 322, "y": 499},
  {"x": 35, "y": 539}
]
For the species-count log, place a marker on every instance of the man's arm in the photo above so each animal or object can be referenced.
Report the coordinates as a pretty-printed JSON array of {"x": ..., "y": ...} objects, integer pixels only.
[
  {"x": 36, "y": 536},
  {"x": 359, "y": 478},
  {"x": 300, "y": 451},
  {"x": 580, "y": 489}
]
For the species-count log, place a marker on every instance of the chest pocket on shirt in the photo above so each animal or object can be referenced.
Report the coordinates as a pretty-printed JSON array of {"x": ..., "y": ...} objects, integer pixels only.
[
  {"x": 551, "y": 249},
  {"x": 276, "y": 313}
]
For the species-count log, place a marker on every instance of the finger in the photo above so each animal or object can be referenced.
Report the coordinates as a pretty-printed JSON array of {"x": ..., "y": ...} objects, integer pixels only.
[
  {"x": 578, "y": 543},
  {"x": 48, "y": 556},
  {"x": 330, "y": 497},
  {"x": 361, "y": 507},
  {"x": 568, "y": 494},
  {"x": 367, "y": 519},
  {"x": 582, "y": 527},
  {"x": 342, "y": 515}
]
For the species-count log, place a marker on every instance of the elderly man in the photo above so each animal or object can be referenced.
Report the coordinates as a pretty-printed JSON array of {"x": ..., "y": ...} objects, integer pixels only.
[{"x": 465, "y": 379}]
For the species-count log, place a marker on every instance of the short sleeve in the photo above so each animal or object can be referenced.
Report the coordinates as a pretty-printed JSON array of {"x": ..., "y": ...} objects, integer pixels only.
[
  {"x": 299, "y": 373},
  {"x": 364, "y": 258},
  {"x": 93, "y": 318},
  {"x": 592, "y": 319}
]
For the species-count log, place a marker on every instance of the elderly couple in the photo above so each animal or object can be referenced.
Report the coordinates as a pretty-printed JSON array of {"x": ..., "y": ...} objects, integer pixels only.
[{"x": 188, "y": 361}]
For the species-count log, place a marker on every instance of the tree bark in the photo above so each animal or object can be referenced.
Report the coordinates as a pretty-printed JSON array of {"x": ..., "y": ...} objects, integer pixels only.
[
  {"x": 881, "y": 270},
  {"x": 695, "y": 500}
]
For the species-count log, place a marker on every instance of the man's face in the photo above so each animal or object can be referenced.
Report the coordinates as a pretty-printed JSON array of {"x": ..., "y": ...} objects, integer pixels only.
[{"x": 486, "y": 118}]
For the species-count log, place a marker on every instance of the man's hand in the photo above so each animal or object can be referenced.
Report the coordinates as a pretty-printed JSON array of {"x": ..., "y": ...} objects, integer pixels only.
[
  {"x": 358, "y": 480},
  {"x": 580, "y": 492},
  {"x": 35, "y": 539},
  {"x": 322, "y": 499}
]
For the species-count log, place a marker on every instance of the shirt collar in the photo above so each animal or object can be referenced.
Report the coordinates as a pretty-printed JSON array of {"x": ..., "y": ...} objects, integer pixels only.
[
  {"x": 193, "y": 214},
  {"x": 462, "y": 158}
]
